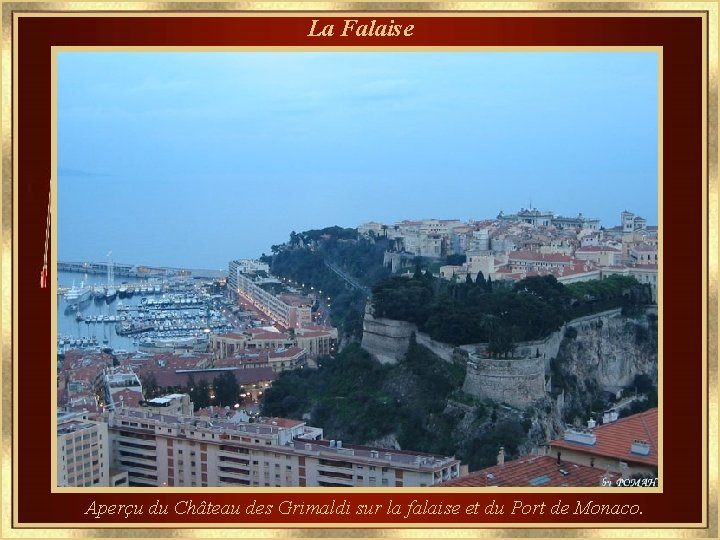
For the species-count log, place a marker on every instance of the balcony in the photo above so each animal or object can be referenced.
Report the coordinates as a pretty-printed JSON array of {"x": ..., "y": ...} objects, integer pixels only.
[
  {"x": 233, "y": 472},
  {"x": 136, "y": 443},
  {"x": 132, "y": 465}
]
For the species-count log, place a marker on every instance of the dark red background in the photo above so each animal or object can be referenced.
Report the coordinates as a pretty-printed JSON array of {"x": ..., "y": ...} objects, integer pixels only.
[{"x": 681, "y": 40}]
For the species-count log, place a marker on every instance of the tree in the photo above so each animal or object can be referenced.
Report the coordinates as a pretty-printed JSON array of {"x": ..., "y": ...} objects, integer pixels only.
[
  {"x": 480, "y": 280},
  {"x": 227, "y": 389},
  {"x": 455, "y": 260},
  {"x": 150, "y": 386},
  {"x": 199, "y": 393}
]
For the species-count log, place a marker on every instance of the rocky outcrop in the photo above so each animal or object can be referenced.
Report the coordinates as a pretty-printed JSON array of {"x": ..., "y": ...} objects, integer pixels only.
[
  {"x": 611, "y": 351},
  {"x": 607, "y": 349}
]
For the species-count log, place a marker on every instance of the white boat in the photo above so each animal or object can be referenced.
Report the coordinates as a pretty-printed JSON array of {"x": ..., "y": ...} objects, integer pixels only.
[
  {"x": 77, "y": 294},
  {"x": 110, "y": 294}
]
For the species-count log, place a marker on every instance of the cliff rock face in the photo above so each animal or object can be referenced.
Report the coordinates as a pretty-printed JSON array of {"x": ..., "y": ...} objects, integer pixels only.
[
  {"x": 611, "y": 351},
  {"x": 603, "y": 351}
]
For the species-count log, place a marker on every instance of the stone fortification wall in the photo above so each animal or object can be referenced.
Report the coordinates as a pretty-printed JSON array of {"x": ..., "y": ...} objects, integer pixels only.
[
  {"x": 515, "y": 381},
  {"x": 547, "y": 348},
  {"x": 388, "y": 339},
  {"x": 601, "y": 349}
]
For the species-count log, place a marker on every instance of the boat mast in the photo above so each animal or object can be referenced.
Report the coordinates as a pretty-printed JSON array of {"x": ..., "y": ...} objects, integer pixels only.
[{"x": 110, "y": 276}]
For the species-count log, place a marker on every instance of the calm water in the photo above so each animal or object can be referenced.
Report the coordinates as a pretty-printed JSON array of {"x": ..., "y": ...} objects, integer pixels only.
[{"x": 69, "y": 326}]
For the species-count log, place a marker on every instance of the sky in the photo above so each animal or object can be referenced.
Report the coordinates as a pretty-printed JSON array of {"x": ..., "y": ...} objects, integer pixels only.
[{"x": 194, "y": 159}]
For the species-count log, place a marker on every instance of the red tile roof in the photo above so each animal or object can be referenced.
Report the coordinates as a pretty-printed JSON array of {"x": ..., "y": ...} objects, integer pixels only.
[
  {"x": 535, "y": 256},
  {"x": 232, "y": 335},
  {"x": 281, "y": 422},
  {"x": 615, "y": 439},
  {"x": 588, "y": 249},
  {"x": 240, "y": 361},
  {"x": 290, "y": 352},
  {"x": 268, "y": 336},
  {"x": 170, "y": 379},
  {"x": 128, "y": 398},
  {"x": 532, "y": 471}
]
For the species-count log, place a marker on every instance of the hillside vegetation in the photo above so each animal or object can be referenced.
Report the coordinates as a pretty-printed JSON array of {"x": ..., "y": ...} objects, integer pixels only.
[
  {"x": 416, "y": 402},
  {"x": 306, "y": 259}
]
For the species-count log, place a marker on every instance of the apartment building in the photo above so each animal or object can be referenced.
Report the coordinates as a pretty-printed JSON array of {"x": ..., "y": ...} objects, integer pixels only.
[
  {"x": 82, "y": 452},
  {"x": 244, "y": 266},
  {"x": 178, "y": 450},
  {"x": 531, "y": 260},
  {"x": 290, "y": 316}
]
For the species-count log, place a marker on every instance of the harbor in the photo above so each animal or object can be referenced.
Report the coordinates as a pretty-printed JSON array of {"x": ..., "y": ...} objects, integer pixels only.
[{"x": 151, "y": 315}]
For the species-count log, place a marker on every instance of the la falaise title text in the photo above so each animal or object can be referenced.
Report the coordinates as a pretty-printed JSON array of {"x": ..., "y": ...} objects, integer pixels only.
[{"x": 356, "y": 27}]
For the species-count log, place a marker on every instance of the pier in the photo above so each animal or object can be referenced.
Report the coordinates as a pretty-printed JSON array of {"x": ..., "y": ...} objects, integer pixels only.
[
  {"x": 138, "y": 271},
  {"x": 126, "y": 270}
]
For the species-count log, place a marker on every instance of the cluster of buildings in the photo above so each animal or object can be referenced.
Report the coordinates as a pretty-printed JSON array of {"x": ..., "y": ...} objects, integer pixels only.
[
  {"x": 529, "y": 242},
  {"x": 112, "y": 431},
  {"x": 245, "y": 280},
  {"x": 312, "y": 340},
  {"x": 290, "y": 313},
  {"x": 160, "y": 442}
]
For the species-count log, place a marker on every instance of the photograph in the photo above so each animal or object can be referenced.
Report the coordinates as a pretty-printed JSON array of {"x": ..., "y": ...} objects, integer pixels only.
[
  {"x": 390, "y": 269},
  {"x": 333, "y": 270}
]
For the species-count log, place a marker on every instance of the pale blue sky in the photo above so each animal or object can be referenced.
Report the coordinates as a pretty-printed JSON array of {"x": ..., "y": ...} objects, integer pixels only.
[{"x": 193, "y": 159}]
